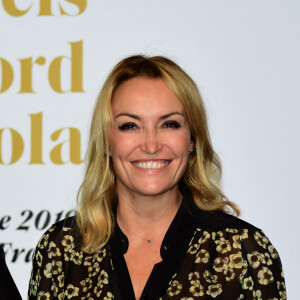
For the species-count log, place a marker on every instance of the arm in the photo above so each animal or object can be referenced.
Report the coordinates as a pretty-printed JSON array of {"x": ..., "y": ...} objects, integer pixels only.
[
  {"x": 262, "y": 275},
  {"x": 45, "y": 265}
]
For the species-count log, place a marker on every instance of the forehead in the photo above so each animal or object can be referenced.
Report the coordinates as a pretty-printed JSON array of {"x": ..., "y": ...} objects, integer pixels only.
[{"x": 145, "y": 96}]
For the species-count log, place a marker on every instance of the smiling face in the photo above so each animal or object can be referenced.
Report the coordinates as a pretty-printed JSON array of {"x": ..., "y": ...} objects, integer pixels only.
[{"x": 149, "y": 137}]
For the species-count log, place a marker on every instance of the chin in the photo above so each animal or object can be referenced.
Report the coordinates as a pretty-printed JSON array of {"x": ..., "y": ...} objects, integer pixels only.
[{"x": 153, "y": 189}]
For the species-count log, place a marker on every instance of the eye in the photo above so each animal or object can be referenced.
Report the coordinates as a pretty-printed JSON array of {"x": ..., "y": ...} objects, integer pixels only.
[
  {"x": 127, "y": 126},
  {"x": 171, "y": 124}
]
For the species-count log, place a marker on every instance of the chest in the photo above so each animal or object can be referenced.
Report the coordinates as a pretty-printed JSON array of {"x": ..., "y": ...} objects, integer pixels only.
[
  {"x": 140, "y": 260},
  {"x": 200, "y": 268}
]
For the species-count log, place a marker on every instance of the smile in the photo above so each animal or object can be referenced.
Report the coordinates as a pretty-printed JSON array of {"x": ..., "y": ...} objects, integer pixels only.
[{"x": 151, "y": 164}]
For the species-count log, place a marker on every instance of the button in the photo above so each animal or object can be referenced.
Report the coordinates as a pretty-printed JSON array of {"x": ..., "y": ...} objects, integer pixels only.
[
  {"x": 145, "y": 295},
  {"x": 164, "y": 250}
]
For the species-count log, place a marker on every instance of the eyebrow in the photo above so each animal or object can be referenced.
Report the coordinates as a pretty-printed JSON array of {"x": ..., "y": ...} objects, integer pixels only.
[{"x": 138, "y": 118}]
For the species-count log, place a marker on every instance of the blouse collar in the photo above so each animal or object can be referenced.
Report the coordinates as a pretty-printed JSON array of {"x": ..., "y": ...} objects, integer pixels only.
[{"x": 173, "y": 250}]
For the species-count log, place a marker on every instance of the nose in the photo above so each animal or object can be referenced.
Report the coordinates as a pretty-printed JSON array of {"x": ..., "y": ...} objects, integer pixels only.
[{"x": 151, "y": 144}]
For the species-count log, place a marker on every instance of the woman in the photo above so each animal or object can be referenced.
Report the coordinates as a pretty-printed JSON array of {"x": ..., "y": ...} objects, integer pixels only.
[{"x": 151, "y": 222}]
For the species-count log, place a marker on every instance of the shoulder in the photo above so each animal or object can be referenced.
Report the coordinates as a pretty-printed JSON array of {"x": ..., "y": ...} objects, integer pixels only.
[
  {"x": 241, "y": 234},
  {"x": 220, "y": 223},
  {"x": 64, "y": 231},
  {"x": 240, "y": 255},
  {"x": 65, "y": 225},
  {"x": 217, "y": 220},
  {"x": 214, "y": 220}
]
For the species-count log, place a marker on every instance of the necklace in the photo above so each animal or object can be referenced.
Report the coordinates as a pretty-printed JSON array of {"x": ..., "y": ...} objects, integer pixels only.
[{"x": 146, "y": 240}]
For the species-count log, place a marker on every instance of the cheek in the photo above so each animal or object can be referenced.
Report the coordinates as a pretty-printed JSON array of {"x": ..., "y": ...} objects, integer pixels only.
[
  {"x": 179, "y": 144},
  {"x": 121, "y": 145}
]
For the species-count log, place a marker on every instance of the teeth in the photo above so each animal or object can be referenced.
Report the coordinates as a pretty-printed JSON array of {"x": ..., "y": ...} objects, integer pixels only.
[{"x": 150, "y": 165}]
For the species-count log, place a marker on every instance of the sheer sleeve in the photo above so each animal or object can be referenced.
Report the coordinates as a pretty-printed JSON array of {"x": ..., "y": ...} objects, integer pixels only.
[
  {"x": 262, "y": 276},
  {"x": 61, "y": 270},
  {"x": 47, "y": 262},
  {"x": 235, "y": 264}
]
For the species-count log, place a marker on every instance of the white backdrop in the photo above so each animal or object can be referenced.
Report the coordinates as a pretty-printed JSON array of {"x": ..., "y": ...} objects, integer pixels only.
[{"x": 244, "y": 56}]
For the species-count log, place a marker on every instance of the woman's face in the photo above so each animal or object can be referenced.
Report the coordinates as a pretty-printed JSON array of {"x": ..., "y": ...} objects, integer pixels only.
[{"x": 149, "y": 137}]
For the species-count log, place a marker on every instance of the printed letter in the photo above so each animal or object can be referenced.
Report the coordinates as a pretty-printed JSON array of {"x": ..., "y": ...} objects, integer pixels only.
[
  {"x": 76, "y": 70},
  {"x": 7, "y": 75},
  {"x": 17, "y": 147},
  {"x": 10, "y": 7},
  {"x": 36, "y": 138},
  {"x": 74, "y": 147},
  {"x": 26, "y": 73},
  {"x": 45, "y": 8},
  {"x": 81, "y": 4}
]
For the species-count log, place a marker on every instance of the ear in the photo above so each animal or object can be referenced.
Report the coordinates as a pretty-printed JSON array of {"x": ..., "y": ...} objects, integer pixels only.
[{"x": 192, "y": 145}]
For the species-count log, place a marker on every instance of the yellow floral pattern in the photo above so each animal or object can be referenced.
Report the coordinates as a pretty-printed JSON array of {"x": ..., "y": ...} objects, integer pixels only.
[
  {"x": 219, "y": 264},
  {"x": 230, "y": 264}
]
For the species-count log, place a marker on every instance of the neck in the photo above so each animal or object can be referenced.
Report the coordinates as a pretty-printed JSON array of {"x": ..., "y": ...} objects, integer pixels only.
[{"x": 147, "y": 215}]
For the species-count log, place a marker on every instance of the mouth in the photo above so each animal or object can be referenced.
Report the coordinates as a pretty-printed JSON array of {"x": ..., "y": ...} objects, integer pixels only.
[{"x": 151, "y": 164}]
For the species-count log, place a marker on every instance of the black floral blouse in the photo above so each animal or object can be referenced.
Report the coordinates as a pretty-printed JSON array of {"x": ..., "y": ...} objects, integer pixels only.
[{"x": 205, "y": 255}]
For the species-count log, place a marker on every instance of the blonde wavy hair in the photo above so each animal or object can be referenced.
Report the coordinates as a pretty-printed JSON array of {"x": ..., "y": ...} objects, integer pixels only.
[{"x": 97, "y": 195}]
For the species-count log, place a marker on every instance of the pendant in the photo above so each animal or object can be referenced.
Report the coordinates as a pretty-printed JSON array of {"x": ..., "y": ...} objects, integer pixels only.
[{"x": 149, "y": 241}]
